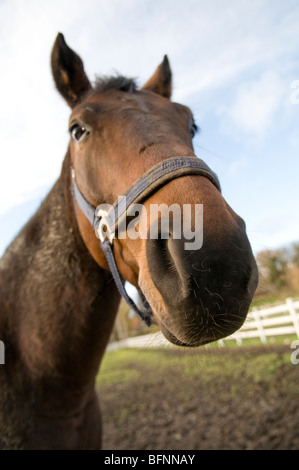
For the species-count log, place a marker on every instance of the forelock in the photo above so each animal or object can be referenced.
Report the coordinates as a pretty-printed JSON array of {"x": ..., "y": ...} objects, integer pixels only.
[{"x": 117, "y": 82}]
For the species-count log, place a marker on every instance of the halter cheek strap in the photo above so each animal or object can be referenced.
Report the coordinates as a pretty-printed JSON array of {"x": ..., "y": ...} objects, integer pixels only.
[{"x": 105, "y": 222}]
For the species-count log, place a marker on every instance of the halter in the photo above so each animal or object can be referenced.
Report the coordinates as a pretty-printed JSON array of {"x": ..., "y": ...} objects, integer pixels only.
[{"x": 105, "y": 222}]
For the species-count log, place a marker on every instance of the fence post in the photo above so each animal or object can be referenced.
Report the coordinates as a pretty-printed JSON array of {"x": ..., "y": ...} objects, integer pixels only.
[
  {"x": 260, "y": 328},
  {"x": 293, "y": 314}
]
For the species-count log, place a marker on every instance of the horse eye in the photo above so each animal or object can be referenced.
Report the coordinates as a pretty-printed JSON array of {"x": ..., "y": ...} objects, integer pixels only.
[
  {"x": 193, "y": 129},
  {"x": 78, "y": 132}
]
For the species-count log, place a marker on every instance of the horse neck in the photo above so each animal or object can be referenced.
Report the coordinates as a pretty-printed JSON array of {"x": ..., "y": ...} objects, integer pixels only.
[{"x": 59, "y": 305}]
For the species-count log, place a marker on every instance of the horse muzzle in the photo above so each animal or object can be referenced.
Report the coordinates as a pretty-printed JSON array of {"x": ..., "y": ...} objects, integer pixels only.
[{"x": 206, "y": 292}]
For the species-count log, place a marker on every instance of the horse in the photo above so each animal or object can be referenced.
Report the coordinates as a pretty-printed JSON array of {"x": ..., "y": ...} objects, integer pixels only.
[{"x": 58, "y": 298}]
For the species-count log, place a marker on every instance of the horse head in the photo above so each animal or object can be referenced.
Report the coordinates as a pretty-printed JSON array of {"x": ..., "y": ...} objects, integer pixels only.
[{"x": 199, "y": 291}]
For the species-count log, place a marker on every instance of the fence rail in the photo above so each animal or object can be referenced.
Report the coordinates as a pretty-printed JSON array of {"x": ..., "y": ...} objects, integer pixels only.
[{"x": 277, "y": 320}]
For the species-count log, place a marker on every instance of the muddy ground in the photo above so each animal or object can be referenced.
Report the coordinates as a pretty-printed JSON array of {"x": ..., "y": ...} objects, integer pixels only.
[{"x": 230, "y": 398}]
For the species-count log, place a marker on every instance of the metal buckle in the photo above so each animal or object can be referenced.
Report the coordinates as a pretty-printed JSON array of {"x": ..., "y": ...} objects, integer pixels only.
[{"x": 103, "y": 230}]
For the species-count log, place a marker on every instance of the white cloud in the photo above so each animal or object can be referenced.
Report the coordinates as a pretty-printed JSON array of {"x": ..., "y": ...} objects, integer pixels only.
[{"x": 255, "y": 105}]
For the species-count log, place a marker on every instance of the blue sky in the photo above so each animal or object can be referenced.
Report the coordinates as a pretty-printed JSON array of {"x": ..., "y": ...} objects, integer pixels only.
[{"x": 234, "y": 63}]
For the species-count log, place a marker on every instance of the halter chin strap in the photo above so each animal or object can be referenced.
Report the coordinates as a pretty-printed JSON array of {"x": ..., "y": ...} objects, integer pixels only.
[{"x": 105, "y": 222}]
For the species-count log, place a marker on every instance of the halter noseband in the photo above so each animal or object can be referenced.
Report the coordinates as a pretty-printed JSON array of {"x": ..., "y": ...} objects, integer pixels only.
[{"x": 153, "y": 179}]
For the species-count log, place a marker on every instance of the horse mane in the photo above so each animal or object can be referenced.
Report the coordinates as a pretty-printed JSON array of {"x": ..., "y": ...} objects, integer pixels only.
[{"x": 116, "y": 82}]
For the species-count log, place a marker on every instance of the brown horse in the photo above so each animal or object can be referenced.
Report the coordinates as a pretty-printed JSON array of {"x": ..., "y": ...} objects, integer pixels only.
[{"x": 58, "y": 300}]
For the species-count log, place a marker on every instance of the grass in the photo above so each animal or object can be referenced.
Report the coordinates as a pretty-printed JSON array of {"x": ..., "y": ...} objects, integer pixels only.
[
  {"x": 282, "y": 339},
  {"x": 272, "y": 299},
  {"x": 133, "y": 365},
  {"x": 126, "y": 365}
]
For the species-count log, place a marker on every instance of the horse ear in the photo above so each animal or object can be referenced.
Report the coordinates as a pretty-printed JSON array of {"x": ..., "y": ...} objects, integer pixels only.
[
  {"x": 161, "y": 81},
  {"x": 68, "y": 72}
]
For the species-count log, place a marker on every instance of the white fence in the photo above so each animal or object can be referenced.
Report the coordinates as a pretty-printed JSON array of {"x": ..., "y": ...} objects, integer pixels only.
[
  {"x": 278, "y": 320},
  {"x": 153, "y": 340}
]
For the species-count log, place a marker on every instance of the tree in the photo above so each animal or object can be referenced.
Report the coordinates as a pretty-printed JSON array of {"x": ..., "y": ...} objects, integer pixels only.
[
  {"x": 295, "y": 257},
  {"x": 272, "y": 266},
  {"x": 277, "y": 266}
]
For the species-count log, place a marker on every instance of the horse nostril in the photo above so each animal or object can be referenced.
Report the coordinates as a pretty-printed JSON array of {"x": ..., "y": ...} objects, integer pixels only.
[
  {"x": 177, "y": 255},
  {"x": 165, "y": 262},
  {"x": 158, "y": 256},
  {"x": 211, "y": 275}
]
